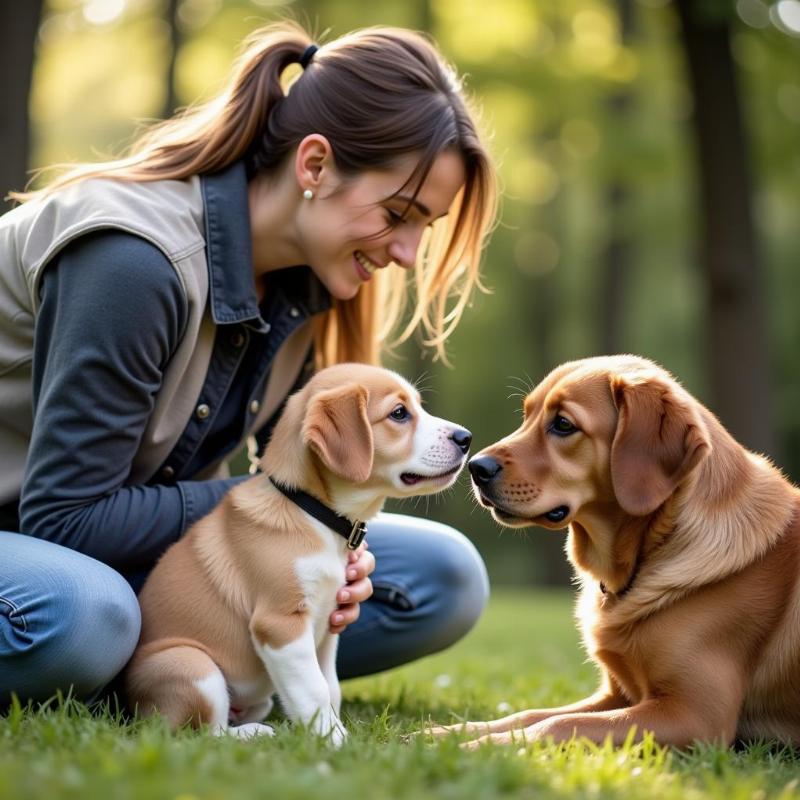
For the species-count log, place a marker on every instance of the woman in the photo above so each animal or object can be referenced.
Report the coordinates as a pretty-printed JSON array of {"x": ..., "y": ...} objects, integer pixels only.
[{"x": 155, "y": 312}]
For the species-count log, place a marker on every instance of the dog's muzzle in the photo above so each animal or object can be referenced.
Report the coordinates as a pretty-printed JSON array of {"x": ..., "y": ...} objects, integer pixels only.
[{"x": 484, "y": 469}]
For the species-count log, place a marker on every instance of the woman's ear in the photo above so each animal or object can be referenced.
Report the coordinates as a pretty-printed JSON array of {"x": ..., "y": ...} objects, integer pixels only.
[
  {"x": 313, "y": 162},
  {"x": 660, "y": 439},
  {"x": 336, "y": 428}
]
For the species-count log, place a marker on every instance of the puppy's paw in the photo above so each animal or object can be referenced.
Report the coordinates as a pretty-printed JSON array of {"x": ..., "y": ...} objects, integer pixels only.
[
  {"x": 338, "y": 736},
  {"x": 330, "y": 727},
  {"x": 249, "y": 730}
]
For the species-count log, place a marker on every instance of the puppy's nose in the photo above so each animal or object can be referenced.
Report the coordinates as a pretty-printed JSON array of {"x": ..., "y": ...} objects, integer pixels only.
[
  {"x": 463, "y": 438},
  {"x": 484, "y": 469}
]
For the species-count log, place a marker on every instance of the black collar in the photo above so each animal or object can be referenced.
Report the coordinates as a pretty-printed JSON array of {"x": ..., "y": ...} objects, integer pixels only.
[{"x": 354, "y": 532}]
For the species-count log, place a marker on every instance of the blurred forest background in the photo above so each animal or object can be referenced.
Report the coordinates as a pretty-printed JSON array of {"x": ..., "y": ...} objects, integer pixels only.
[{"x": 649, "y": 152}]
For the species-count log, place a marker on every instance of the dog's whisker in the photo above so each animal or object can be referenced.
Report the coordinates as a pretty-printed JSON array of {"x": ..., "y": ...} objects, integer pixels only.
[
  {"x": 531, "y": 382},
  {"x": 420, "y": 385},
  {"x": 517, "y": 382},
  {"x": 417, "y": 382},
  {"x": 519, "y": 388}
]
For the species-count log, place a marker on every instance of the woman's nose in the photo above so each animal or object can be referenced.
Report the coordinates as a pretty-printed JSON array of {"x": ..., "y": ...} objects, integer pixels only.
[{"x": 403, "y": 248}]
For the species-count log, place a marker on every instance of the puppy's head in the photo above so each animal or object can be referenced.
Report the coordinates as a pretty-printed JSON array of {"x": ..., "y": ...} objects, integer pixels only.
[
  {"x": 616, "y": 429},
  {"x": 364, "y": 428}
]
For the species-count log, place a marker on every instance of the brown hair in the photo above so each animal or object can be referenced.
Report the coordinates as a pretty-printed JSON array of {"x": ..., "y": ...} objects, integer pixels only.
[{"x": 377, "y": 95}]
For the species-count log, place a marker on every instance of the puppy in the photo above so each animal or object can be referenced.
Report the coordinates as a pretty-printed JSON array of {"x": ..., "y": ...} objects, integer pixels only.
[
  {"x": 687, "y": 548},
  {"x": 238, "y": 609}
]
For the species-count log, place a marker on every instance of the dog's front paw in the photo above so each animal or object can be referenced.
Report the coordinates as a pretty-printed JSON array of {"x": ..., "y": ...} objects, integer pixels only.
[
  {"x": 440, "y": 731},
  {"x": 460, "y": 728},
  {"x": 504, "y": 738},
  {"x": 517, "y": 736}
]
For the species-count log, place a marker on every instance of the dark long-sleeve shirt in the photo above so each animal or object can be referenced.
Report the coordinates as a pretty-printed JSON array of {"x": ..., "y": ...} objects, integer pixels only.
[{"x": 112, "y": 313}]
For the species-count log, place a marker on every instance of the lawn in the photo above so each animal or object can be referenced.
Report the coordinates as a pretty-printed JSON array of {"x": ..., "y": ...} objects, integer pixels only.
[{"x": 524, "y": 652}]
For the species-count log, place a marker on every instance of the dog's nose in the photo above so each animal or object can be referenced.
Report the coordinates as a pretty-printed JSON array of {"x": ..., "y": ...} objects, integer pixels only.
[
  {"x": 463, "y": 439},
  {"x": 484, "y": 469}
]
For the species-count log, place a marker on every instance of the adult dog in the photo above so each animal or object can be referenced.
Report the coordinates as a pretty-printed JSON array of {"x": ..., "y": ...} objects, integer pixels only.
[
  {"x": 687, "y": 547},
  {"x": 238, "y": 609}
]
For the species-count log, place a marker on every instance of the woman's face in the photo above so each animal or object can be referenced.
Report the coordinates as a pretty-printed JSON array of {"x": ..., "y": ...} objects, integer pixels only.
[{"x": 356, "y": 226}]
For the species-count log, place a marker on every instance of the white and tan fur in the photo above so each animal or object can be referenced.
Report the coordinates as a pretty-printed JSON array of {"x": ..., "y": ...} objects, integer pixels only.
[
  {"x": 695, "y": 539},
  {"x": 238, "y": 610}
]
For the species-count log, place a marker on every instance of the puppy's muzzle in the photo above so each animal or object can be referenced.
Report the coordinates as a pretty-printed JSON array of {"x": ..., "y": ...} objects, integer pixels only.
[{"x": 462, "y": 439}]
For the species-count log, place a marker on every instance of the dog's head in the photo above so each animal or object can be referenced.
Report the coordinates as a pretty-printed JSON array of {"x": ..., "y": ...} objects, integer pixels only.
[
  {"x": 616, "y": 429},
  {"x": 363, "y": 428}
]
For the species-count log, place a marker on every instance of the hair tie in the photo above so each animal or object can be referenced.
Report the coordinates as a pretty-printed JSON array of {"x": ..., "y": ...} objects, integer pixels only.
[{"x": 308, "y": 54}]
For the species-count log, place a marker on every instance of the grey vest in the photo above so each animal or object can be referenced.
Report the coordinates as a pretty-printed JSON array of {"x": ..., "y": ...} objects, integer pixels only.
[{"x": 170, "y": 215}]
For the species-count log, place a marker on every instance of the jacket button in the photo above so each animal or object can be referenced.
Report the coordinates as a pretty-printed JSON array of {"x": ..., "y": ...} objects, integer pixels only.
[
  {"x": 202, "y": 411},
  {"x": 254, "y": 406},
  {"x": 294, "y": 312},
  {"x": 168, "y": 472},
  {"x": 237, "y": 340}
]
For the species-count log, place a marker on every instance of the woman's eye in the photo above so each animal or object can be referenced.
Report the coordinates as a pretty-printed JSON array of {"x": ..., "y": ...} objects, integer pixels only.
[
  {"x": 562, "y": 426},
  {"x": 393, "y": 218},
  {"x": 400, "y": 414}
]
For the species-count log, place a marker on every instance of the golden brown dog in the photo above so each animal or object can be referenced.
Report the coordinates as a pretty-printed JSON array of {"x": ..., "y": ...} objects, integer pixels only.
[
  {"x": 238, "y": 609},
  {"x": 687, "y": 547}
]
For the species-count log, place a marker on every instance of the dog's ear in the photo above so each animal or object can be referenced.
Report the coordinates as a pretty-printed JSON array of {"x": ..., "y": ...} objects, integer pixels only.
[
  {"x": 660, "y": 439},
  {"x": 336, "y": 428}
]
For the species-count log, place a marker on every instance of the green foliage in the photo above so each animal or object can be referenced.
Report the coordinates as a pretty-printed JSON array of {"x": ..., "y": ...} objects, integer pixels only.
[{"x": 523, "y": 653}]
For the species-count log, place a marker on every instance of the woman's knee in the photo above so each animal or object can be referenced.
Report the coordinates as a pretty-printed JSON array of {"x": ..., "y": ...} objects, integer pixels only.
[
  {"x": 68, "y": 623},
  {"x": 438, "y": 575},
  {"x": 458, "y": 580}
]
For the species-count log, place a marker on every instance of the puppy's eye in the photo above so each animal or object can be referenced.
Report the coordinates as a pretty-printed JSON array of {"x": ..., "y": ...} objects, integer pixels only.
[
  {"x": 562, "y": 426},
  {"x": 400, "y": 413}
]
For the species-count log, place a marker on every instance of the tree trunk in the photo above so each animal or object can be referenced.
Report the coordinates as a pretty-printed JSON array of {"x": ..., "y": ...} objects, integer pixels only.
[
  {"x": 170, "y": 96},
  {"x": 737, "y": 334},
  {"x": 19, "y": 23},
  {"x": 617, "y": 255}
]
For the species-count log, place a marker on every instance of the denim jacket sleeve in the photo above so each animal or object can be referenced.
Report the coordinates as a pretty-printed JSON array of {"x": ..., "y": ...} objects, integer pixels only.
[{"x": 112, "y": 312}]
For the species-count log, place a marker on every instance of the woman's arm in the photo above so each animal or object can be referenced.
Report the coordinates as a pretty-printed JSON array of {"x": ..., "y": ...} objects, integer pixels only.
[{"x": 112, "y": 314}]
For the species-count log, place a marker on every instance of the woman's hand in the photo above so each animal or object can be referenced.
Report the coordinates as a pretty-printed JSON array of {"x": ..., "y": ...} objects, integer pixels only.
[{"x": 360, "y": 566}]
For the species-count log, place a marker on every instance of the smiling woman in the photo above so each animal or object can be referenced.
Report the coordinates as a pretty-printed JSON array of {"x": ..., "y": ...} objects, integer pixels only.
[
  {"x": 387, "y": 112},
  {"x": 355, "y": 226},
  {"x": 157, "y": 310}
]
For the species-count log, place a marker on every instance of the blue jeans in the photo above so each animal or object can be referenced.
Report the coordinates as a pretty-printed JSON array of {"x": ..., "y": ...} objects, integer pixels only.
[{"x": 69, "y": 621}]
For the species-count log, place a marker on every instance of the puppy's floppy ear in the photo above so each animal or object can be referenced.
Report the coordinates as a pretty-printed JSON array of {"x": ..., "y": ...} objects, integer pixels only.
[
  {"x": 336, "y": 428},
  {"x": 660, "y": 439}
]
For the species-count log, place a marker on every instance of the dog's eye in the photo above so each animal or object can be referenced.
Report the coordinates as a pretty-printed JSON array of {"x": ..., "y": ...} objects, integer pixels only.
[
  {"x": 400, "y": 413},
  {"x": 562, "y": 426}
]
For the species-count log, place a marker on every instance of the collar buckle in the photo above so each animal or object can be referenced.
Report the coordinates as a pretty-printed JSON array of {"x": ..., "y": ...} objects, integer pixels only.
[{"x": 357, "y": 534}]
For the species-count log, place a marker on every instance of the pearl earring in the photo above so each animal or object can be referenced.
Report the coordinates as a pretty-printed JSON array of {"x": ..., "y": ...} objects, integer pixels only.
[{"x": 308, "y": 194}]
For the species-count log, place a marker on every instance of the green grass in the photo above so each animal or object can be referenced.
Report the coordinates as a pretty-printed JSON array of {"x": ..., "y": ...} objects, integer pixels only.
[{"x": 524, "y": 653}]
